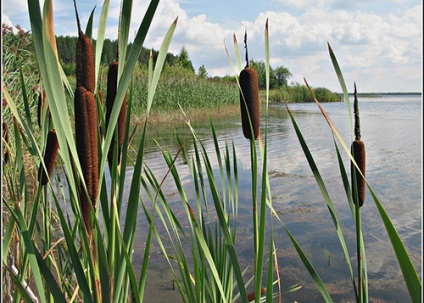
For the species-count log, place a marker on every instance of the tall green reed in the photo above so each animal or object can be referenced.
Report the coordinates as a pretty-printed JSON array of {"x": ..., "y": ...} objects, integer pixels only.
[{"x": 97, "y": 267}]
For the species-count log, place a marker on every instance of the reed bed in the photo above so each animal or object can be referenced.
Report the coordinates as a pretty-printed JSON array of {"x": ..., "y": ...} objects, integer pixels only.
[{"x": 47, "y": 253}]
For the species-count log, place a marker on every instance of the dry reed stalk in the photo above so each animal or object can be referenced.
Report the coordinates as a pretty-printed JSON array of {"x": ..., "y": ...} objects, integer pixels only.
[
  {"x": 249, "y": 98},
  {"x": 86, "y": 141},
  {"x": 358, "y": 152},
  {"x": 52, "y": 148},
  {"x": 112, "y": 82}
]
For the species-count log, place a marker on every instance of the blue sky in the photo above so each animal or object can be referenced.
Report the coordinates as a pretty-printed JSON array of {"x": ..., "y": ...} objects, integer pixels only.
[{"x": 378, "y": 43}]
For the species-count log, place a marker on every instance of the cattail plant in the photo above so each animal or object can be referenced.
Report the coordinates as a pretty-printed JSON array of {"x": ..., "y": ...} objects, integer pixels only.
[
  {"x": 86, "y": 123},
  {"x": 249, "y": 98},
  {"x": 358, "y": 152},
  {"x": 52, "y": 148},
  {"x": 112, "y": 82}
]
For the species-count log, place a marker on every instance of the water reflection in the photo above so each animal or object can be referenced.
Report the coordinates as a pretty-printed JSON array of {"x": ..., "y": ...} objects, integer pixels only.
[{"x": 391, "y": 130}]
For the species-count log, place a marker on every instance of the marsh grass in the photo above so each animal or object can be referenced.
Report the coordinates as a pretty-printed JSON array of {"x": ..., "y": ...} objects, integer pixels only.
[{"x": 45, "y": 244}]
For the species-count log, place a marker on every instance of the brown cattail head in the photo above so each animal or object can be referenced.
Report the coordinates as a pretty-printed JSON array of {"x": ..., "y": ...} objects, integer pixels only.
[
  {"x": 41, "y": 101},
  {"x": 85, "y": 73},
  {"x": 358, "y": 151},
  {"x": 52, "y": 148},
  {"x": 251, "y": 296},
  {"x": 85, "y": 63},
  {"x": 249, "y": 102},
  {"x": 112, "y": 82},
  {"x": 86, "y": 141},
  {"x": 6, "y": 155}
]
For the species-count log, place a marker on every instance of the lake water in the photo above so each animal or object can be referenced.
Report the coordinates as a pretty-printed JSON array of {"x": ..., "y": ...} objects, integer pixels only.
[{"x": 391, "y": 128}]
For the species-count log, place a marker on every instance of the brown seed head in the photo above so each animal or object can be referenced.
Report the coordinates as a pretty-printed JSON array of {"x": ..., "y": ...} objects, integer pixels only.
[
  {"x": 86, "y": 140},
  {"x": 52, "y": 148},
  {"x": 249, "y": 102},
  {"x": 112, "y": 82},
  {"x": 358, "y": 151},
  {"x": 85, "y": 63}
]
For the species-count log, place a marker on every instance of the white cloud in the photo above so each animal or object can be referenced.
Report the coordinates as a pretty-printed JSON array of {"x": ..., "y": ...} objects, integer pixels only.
[{"x": 372, "y": 47}]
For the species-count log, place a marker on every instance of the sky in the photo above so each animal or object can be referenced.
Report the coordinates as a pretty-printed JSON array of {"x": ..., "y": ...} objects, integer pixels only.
[{"x": 378, "y": 43}]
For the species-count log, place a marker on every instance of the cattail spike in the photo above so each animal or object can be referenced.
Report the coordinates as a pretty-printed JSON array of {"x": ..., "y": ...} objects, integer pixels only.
[
  {"x": 249, "y": 102},
  {"x": 245, "y": 46},
  {"x": 358, "y": 151},
  {"x": 52, "y": 147},
  {"x": 85, "y": 72},
  {"x": 249, "y": 98},
  {"x": 356, "y": 115},
  {"x": 86, "y": 141},
  {"x": 76, "y": 14},
  {"x": 112, "y": 83}
]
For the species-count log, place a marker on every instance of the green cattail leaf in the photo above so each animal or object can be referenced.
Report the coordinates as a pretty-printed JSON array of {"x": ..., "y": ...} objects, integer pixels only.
[
  {"x": 321, "y": 287},
  {"x": 342, "y": 83},
  {"x": 29, "y": 251},
  {"x": 124, "y": 30},
  {"x": 89, "y": 27},
  {"x": 159, "y": 64},
  {"x": 100, "y": 39},
  {"x": 237, "y": 52},
  {"x": 125, "y": 79},
  {"x": 51, "y": 283}
]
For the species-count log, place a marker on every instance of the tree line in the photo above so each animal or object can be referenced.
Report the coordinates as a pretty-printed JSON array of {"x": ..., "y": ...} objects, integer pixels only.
[{"x": 175, "y": 66}]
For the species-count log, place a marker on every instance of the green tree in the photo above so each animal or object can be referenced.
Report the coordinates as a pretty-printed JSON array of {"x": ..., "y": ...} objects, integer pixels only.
[
  {"x": 277, "y": 77},
  {"x": 282, "y": 76},
  {"x": 184, "y": 60},
  {"x": 202, "y": 73}
]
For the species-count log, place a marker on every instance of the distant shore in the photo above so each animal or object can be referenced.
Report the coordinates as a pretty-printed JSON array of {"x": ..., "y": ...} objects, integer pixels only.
[{"x": 379, "y": 95}]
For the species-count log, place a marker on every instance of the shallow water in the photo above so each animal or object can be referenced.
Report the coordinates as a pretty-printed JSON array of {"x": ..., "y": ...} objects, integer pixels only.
[{"x": 392, "y": 131}]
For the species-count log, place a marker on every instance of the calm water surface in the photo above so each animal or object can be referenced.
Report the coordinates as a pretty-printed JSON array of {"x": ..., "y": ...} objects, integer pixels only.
[{"x": 391, "y": 128}]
